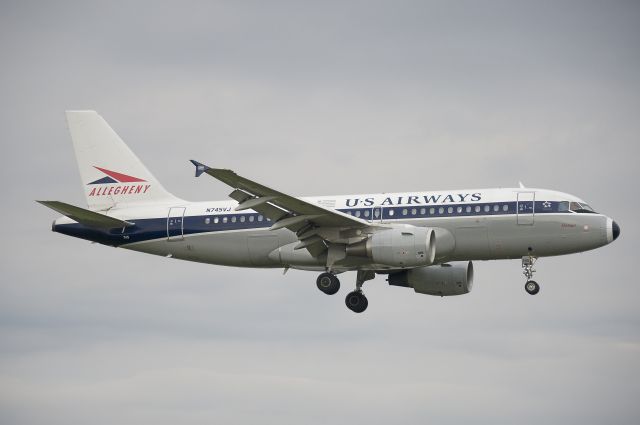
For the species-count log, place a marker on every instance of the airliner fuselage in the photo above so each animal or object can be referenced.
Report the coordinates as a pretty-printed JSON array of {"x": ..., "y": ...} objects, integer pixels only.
[{"x": 484, "y": 224}]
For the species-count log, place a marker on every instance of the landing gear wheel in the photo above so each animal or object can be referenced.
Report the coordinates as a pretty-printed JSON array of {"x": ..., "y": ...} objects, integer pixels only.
[
  {"x": 328, "y": 283},
  {"x": 532, "y": 287},
  {"x": 356, "y": 301}
]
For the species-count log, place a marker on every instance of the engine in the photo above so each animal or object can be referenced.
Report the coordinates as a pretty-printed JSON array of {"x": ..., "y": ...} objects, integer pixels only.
[
  {"x": 402, "y": 246},
  {"x": 443, "y": 280}
]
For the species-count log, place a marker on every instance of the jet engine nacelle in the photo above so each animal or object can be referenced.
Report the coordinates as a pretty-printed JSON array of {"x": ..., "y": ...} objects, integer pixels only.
[
  {"x": 401, "y": 246},
  {"x": 443, "y": 280}
]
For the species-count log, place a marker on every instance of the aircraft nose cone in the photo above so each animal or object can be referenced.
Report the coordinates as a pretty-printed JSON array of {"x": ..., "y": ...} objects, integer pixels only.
[{"x": 616, "y": 230}]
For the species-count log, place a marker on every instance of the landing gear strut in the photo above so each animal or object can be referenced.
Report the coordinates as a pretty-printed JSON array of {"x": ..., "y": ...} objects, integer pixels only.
[
  {"x": 356, "y": 300},
  {"x": 531, "y": 286},
  {"x": 328, "y": 283}
]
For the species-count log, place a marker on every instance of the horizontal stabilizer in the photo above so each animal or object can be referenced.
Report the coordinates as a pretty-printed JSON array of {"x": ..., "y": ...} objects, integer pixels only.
[{"x": 86, "y": 217}]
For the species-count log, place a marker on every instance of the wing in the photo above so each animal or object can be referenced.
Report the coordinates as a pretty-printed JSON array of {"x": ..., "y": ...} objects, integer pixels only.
[
  {"x": 86, "y": 217},
  {"x": 313, "y": 224}
]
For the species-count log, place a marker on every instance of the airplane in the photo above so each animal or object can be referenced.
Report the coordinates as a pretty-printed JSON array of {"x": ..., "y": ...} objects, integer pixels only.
[{"x": 426, "y": 241}]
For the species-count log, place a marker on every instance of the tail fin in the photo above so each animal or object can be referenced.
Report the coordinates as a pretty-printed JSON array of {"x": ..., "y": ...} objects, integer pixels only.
[{"x": 111, "y": 173}]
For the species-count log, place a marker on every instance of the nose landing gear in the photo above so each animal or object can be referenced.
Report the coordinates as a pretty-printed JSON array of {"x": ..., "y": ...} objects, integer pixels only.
[{"x": 531, "y": 286}]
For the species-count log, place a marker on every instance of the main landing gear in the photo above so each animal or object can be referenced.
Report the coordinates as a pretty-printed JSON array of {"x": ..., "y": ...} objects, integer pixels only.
[
  {"x": 356, "y": 300},
  {"x": 531, "y": 286},
  {"x": 328, "y": 283}
]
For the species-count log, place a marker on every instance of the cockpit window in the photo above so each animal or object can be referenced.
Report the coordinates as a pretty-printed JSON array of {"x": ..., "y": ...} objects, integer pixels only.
[
  {"x": 581, "y": 207},
  {"x": 563, "y": 206}
]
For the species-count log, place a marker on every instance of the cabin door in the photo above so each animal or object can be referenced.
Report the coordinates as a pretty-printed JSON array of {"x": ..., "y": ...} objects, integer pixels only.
[
  {"x": 526, "y": 208},
  {"x": 175, "y": 224}
]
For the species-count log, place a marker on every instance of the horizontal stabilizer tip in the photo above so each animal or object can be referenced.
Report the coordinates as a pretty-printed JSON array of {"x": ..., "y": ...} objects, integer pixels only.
[
  {"x": 86, "y": 217},
  {"x": 200, "y": 168}
]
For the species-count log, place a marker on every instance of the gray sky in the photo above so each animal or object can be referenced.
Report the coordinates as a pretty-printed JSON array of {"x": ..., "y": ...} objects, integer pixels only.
[{"x": 319, "y": 98}]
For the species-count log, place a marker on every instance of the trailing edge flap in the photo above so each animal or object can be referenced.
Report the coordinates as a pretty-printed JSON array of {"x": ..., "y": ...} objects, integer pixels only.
[{"x": 86, "y": 217}]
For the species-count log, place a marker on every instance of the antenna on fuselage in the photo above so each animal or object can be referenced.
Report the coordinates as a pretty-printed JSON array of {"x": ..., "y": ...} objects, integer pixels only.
[{"x": 521, "y": 185}]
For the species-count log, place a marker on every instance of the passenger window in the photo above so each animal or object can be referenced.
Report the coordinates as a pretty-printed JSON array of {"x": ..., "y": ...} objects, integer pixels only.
[
  {"x": 441, "y": 210},
  {"x": 414, "y": 211},
  {"x": 450, "y": 210},
  {"x": 216, "y": 220},
  {"x": 242, "y": 219},
  {"x": 357, "y": 213},
  {"x": 376, "y": 213},
  {"x": 404, "y": 211},
  {"x": 477, "y": 208},
  {"x": 423, "y": 211},
  {"x": 225, "y": 219},
  {"x": 233, "y": 219},
  {"x": 496, "y": 207},
  {"x": 468, "y": 209},
  {"x": 366, "y": 213},
  {"x": 505, "y": 208},
  {"x": 432, "y": 211},
  {"x": 390, "y": 213},
  {"x": 487, "y": 208},
  {"x": 260, "y": 217},
  {"x": 459, "y": 210},
  {"x": 251, "y": 218}
]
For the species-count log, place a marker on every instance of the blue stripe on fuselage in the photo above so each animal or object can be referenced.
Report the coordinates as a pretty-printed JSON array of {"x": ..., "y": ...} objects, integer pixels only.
[{"x": 156, "y": 228}]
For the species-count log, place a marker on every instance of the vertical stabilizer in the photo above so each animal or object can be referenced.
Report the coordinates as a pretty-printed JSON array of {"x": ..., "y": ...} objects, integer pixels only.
[{"x": 112, "y": 175}]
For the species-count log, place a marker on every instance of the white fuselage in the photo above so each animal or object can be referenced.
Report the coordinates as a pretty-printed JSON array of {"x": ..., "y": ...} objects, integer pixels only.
[{"x": 479, "y": 224}]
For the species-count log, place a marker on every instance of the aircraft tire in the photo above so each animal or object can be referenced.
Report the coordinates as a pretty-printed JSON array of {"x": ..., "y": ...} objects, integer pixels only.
[
  {"x": 356, "y": 301},
  {"x": 328, "y": 283},
  {"x": 532, "y": 287}
]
